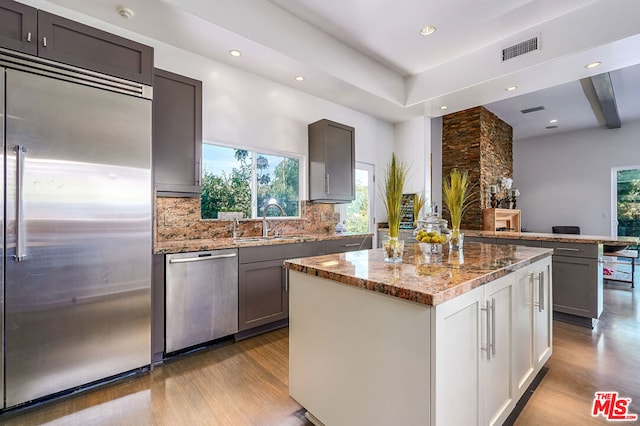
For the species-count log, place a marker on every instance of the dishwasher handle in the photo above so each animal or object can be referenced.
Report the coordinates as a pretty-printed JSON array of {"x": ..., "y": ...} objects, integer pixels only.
[{"x": 201, "y": 258}]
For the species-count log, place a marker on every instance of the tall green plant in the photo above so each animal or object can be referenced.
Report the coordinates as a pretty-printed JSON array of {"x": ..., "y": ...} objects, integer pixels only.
[
  {"x": 456, "y": 196},
  {"x": 393, "y": 186}
]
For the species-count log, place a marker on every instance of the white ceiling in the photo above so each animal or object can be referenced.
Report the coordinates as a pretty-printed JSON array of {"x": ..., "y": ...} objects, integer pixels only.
[{"x": 368, "y": 54}]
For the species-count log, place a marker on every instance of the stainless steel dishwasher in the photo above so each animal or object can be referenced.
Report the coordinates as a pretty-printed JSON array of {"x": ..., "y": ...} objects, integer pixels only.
[{"x": 201, "y": 297}]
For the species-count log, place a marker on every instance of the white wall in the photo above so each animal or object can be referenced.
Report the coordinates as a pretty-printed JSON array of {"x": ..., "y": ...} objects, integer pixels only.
[
  {"x": 436, "y": 162},
  {"x": 566, "y": 179},
  {"x": 412, "y": 147}
]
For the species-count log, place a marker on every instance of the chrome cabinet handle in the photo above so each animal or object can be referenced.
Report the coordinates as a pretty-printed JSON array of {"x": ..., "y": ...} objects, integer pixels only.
[
  {"x": 286, "y": 279},
  {"x": 488, "y": 329},
  {"x": 29, "y": 37},
  {"x": 21, "y": 153},
  {"x": 198, "y": 172},
  {"x": 326, "y": 183},
  {"x": 541, "y": 291},
  {"x": 352, "y": 245},
  {"x": 200, "y": 259},
  {"x": 567, "y": 249},
  {"x": 493, "y": 326},
  {"x": 44, "y": 41}
]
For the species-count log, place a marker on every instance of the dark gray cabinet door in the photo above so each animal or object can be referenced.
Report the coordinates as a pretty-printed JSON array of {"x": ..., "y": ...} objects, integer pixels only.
[
  {"x": 331, "y": 162},
  {"x": 18, "y": 27},
  {"x": 262, "y": 294},
  {"x": 73, "y": 43},
  {"x": 177, "y": 134},
  {"x": 577, "y": 286},
  {"x": 39, "y": 33}
]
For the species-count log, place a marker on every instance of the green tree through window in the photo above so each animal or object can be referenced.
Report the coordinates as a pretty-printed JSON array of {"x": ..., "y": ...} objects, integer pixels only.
[{"x": 230, "y": 176}]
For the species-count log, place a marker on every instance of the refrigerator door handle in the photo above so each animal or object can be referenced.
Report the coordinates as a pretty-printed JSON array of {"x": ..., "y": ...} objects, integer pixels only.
[{"x": 21, "y": 153}]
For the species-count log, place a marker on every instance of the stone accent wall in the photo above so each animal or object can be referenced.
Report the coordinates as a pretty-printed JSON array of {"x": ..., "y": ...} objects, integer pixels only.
[
  {"x": 477, "y": 141},
  {"x": 178, "y": 219}
]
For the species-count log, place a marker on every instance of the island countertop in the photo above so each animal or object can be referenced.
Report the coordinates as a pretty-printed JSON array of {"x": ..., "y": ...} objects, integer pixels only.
[{"x": 425, "y": 279}]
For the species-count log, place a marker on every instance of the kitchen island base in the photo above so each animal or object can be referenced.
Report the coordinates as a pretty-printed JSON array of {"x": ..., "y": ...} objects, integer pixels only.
[{"x": 357, "y": 356}]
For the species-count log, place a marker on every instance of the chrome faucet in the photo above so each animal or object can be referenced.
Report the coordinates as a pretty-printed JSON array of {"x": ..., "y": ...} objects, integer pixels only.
[
  {"x": 265, "y": 226},
  {"x": 236, "y": 223}
]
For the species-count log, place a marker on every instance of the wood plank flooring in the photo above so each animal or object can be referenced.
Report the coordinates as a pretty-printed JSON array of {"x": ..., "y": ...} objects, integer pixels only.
[{"x": 245, "y": 383}]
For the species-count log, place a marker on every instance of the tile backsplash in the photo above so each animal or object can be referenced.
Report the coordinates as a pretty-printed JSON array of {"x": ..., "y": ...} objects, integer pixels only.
[{"x": 178, "y": 218}]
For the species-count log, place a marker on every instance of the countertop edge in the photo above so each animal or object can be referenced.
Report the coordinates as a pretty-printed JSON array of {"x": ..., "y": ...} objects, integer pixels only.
[{"x": 185, "y": 246}]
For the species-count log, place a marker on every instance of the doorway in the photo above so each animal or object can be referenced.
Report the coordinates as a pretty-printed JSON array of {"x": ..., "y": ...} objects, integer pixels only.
[
  {"x": 626, "y": 203},
  {"x": 357, "y": 216}
]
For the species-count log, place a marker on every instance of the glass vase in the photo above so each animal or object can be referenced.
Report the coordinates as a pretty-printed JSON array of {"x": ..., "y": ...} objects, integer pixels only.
[
  {"x": 393, "y": 249},
  {"x": 456, "y": 239}
]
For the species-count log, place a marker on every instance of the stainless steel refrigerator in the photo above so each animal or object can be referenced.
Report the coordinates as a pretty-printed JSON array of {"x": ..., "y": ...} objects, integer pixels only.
[{"x": 77, "y": 227}]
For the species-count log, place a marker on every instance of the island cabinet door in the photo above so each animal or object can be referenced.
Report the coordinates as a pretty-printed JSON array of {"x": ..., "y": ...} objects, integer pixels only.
[
  {"x": 542, "y": 313},
  {"x": 532, "y": 322},
  {"x": 472, "y": 356},
  {"x": 498, "y": 394},
  {"x": 523, "y": 358},
  {"x": 455, "y": 358}
]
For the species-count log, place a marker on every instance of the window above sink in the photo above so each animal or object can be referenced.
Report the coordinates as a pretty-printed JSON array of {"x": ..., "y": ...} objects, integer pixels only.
[{"x": 241, "y": 180}]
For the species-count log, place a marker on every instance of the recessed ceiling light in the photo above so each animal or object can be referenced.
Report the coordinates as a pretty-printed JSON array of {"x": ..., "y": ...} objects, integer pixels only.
[
  {"x": 443, "y": 107},
  {"x": 428, "y": 30},
  {"x": 299, "y": 78},
  {"x": 551, "y": 127},
  {"x": 511, "y": 88},
  {"x": 553, "y": 120},
  {"x": 235, "y": 53},
  {"x": 125, "y": 12},
  {"x": 593, "y": 64}
]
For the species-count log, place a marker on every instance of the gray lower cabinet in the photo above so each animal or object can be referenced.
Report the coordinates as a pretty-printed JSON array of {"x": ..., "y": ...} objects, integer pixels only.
[
  {"x": 177, "y": 134},
  {"x": 39, "y": 33},
  {"x": 577, "y": 278},
  {"x": 262, "y": 293},
  {"x": 577, "y": 286}
]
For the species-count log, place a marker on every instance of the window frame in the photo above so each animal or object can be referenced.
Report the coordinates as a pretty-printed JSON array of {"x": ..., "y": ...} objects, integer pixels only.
[{"x": 254, "y": 152}]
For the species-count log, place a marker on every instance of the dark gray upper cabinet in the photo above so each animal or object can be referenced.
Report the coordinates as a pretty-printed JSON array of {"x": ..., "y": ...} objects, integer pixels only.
[
  {"x": 331, "y": 162},
  {"x": 18, "y": 27},
  {"x": 36, "y": 32},
  {"x": 177, "y": 134}
]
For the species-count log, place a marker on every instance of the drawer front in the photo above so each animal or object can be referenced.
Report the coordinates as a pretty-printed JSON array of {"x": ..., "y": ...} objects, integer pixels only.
[
  {"x": 575, "y": 249},
  {"x": 348, "y": 244},
  {"x": 518, "y": 242},
  {"x": 279, "y": 251}
]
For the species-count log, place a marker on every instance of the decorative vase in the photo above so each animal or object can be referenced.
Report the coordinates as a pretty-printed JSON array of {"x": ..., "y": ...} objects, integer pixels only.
[
  {"x": 456, "y": 239},
  {"x": 393, "y": 249}
]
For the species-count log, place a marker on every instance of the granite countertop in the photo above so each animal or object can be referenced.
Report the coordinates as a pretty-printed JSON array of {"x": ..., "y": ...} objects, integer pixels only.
[
  {"x": 560, "y": 238},
  {"x": 185, "y": 246},
  {"x": 425, "y": 279}
]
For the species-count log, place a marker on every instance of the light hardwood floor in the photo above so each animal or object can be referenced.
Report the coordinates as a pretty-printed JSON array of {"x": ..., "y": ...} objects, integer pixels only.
[{"x": 245, "y": 383}]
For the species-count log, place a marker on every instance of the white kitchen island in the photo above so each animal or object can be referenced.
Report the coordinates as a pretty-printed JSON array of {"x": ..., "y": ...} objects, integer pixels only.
[{"x": 436, "y": 340}]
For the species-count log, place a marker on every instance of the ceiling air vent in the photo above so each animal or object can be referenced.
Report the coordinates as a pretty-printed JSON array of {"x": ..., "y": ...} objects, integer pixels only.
[
  {"x": 520, "y": 49},
  {"x": 534, "y": 109}
]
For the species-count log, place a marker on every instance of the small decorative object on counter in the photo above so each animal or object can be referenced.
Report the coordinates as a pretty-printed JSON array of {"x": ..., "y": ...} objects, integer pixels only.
[
  {"x": 431, "y": 233},
  {"x": 418, "y": 204},
  {"x": 392, "y": 189},
  {"x": 456, "y": 197},
  {"x": 393, "y": 250}
]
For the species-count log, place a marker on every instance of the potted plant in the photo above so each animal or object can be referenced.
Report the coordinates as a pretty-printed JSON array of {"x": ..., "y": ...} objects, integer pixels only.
[
  {"x": 392, "y": 189},
  {"x": 456, "y": 197}
]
